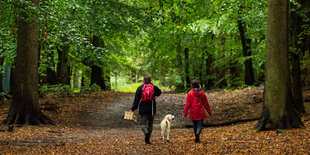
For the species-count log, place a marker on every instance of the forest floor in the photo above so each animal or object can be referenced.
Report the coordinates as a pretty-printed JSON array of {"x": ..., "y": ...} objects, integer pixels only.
[{"x": 92, "y": 123}]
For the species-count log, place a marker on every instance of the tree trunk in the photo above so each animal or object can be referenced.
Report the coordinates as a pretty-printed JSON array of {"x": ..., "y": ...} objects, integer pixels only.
[
  {"x": 96, "y": 76},
  {"x": 96, "y": 71},
  {"x": 209, "y": 72},
  {"x": 24, "y": 108},
  {"x": 221, "y": 71},
  {"x": 306, "y": 41},
  {"x": 186, "y": 69},
  {"x": 200, "y": 70},
  {"x": 180, "y": 65},
  {"x": 295, "y": 30},
  {"x": 51, "y": 77},
  {"x": 76, "y": 79},
  {"x": 62, "y": 66},
  {"x": 1, "y": 65},
  {"x": 279, "y": 111},
  {"x": 246, "y": 46}
]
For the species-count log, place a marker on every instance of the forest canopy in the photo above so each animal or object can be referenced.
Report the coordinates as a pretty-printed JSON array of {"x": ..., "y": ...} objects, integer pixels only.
[{"x": 115, "y": 42}]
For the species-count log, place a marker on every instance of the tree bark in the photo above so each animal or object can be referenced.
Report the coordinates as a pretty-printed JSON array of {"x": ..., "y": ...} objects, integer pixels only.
[
  {"x": 306, "y": 41},
  {"x": 62, "y": 66},
  {"x": 246, "y": 47},
  {"x": 51, "y": 76},
  {"x": 97, "y": 75},
  {"x": 278, "y": 110},
  {"x": 76, "y": 79},
  {"x": 186, "y": 69},
  {"x": 295, "y": 30},
  {"x": 1, "y": 65},
  {"x": 209, "y": 72},
  {"x": 180, "y": 65},
  {"x": 24, "y": 108}
]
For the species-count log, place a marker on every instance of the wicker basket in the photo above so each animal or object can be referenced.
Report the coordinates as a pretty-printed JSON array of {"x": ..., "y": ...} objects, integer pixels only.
[{"x": 129, "y": 115}]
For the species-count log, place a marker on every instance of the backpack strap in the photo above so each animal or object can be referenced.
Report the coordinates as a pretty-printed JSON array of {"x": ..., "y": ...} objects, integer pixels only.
[{"x": 199, "y": 99}]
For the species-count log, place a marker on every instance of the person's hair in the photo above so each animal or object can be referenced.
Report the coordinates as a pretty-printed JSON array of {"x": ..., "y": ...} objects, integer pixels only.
[
  {"x": 147, "y": 78},
  {"x": 195, "y": 84}
]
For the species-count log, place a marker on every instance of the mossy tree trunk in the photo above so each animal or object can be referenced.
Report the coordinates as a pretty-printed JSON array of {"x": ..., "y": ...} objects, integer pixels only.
[
  {"x": 24, "y": 108},
  {"x": 278, "y": 110}
]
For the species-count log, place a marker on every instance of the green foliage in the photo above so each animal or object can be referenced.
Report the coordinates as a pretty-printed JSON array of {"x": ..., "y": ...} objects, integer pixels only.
[
  {"x": 54, "y": 88},
  {"x": 143, "y": 37},
  {"x": 93, "y": 87},
  {"x": 66, "y": 88}
]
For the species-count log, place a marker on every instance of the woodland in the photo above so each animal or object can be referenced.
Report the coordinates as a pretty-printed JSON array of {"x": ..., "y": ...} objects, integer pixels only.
[{"x": 70, "y": 68}]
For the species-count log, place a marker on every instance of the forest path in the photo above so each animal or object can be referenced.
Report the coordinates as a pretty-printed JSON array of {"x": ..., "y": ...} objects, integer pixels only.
[
  {"x": 92, "y": 123},
  {"x": 227, "y": 107},
  {"x": 111, "y": 116}
]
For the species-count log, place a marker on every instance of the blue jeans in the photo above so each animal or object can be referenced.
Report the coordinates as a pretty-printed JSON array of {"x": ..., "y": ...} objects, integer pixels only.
[{"x": 197, "y": 126}]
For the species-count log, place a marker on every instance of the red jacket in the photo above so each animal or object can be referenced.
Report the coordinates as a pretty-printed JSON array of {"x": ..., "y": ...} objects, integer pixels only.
[{"x": 196, "y": 110}]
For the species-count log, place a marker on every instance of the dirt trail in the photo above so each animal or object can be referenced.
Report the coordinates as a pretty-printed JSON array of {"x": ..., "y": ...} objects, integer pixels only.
[
  {"x": 227, "y": 108},
  {"x": 111, "y": 116}
]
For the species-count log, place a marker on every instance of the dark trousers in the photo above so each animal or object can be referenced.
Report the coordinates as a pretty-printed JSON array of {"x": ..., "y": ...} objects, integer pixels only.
[
  {"x": 146, "y": 121},
  {"x": 197, "y": 126}
]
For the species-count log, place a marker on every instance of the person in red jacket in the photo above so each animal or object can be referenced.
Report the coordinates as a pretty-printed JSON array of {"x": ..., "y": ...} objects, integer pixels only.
[{"x": 195, "y": 101}]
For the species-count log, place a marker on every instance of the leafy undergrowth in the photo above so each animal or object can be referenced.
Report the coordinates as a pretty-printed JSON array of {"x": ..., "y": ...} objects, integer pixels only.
[{"x": 79, "y": 129}]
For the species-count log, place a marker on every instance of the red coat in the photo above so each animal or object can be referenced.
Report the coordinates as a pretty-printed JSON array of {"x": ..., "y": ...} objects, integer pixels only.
[{"x": 196, "y": 110}]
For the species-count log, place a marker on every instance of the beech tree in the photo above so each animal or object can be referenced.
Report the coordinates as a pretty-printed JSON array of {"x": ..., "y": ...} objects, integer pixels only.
[
  {"x": 24, "y": 108},
  {"x": 278, "y": 108}
]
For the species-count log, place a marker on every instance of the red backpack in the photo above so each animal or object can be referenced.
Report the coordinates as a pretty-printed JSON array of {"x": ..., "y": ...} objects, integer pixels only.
[{"x": 147, "y": 93}]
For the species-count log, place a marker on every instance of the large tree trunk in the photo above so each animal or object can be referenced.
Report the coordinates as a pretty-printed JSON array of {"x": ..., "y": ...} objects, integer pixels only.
[
  {"x": 246, "y": 46},
  {"x": 295, "y": 30},
  {"x": 186, "y": 69},
  {"x": 62, "y": 66},
  {"x": 279, "y": 111},
  {"x": 24, "y": 108},
  {"x": 96, "y": 71}
]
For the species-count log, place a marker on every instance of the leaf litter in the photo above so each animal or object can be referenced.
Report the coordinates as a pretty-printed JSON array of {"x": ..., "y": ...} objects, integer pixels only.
[{"x": 91, "y": 123}]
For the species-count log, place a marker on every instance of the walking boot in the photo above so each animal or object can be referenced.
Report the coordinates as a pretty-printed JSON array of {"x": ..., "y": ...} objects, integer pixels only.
[
  {"x": 147, "y": 135},
  {"x": 147, "y": 138},
  {"x": 197, "y": 140},
  {"x": 197, "y": 134}
]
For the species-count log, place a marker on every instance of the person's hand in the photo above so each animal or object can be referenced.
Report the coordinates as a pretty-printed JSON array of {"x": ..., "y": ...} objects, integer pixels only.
[{"x": 131, "y": 110}]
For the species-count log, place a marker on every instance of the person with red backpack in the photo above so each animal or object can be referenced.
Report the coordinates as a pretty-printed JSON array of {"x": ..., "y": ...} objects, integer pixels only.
[
  {"x": 145, "y": 99},
  {"x": 195, "y": 102}
]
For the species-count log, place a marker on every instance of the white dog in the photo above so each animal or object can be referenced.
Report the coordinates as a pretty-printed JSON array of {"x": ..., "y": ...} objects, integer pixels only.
[{"x": 165, "y": 125}]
